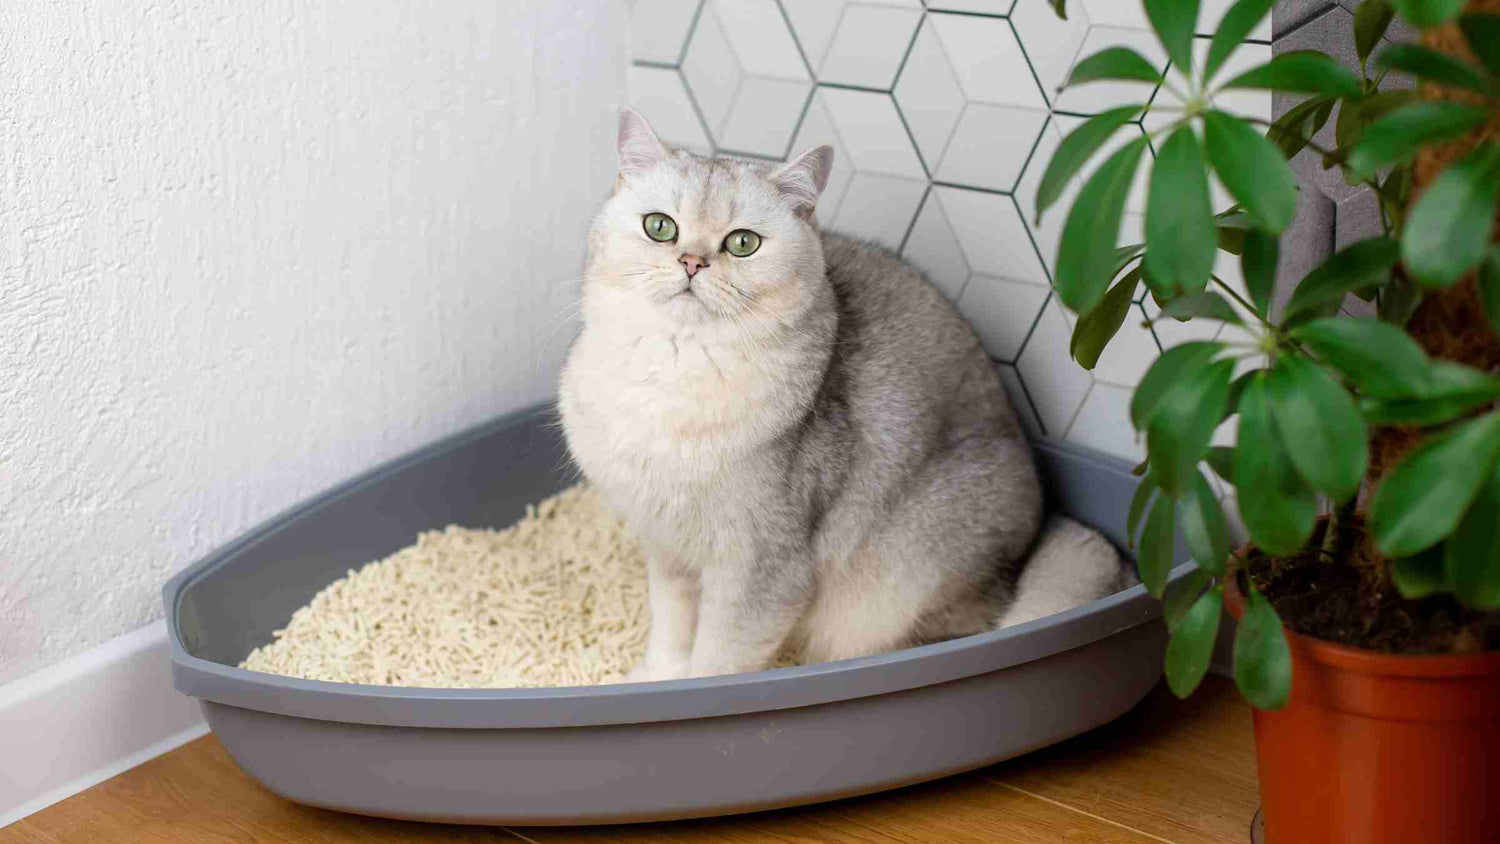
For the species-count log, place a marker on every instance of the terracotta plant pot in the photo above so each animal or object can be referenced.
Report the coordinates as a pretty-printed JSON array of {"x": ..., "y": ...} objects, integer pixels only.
[{"x": 1375, "y": 748}]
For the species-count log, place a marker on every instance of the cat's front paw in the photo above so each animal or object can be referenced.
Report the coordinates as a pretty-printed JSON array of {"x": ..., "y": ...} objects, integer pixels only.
[{"x": 649, "y": 672}]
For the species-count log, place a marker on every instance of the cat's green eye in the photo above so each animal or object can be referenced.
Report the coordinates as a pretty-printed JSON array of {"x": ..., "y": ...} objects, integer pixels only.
[
  {"x": 660, "y": 227},
  {"x": 742, "y": 243}
]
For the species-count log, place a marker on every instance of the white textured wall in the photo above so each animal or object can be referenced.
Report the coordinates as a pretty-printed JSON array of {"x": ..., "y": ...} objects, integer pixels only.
[{"x": 250, "y": 249}]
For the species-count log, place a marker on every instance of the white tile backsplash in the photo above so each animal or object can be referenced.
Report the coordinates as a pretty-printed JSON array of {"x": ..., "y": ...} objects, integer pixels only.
[
  {"x": 868, "y": 45},
  {"x": 959, "y": 92}
]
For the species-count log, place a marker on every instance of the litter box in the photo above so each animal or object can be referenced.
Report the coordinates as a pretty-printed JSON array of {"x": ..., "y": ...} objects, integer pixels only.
[{"x": 630, "y": 752}]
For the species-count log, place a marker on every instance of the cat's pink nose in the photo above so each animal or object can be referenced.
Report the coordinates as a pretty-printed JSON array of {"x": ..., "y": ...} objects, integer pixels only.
[{"x": 693, "y": 263}]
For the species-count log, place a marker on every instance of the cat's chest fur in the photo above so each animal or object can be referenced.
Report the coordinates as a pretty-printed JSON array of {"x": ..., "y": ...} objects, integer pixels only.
[{"x": 668, "y": 423}]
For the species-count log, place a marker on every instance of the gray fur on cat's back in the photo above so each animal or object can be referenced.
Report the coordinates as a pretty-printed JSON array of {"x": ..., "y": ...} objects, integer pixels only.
[{"x": 912, "y": 442}]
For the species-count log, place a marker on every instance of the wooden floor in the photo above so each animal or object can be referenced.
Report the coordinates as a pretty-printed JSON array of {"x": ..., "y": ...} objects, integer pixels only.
[{"x": 1176, "y": 771}]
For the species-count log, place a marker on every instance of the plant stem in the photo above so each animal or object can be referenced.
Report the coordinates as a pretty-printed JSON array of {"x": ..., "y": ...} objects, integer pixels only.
[
  {"x": 1333, "y": 533},
  {"x": 1241, "y": 299}
]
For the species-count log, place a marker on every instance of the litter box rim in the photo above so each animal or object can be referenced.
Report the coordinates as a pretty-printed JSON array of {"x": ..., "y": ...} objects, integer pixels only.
[{"x": 628, "y": 703}]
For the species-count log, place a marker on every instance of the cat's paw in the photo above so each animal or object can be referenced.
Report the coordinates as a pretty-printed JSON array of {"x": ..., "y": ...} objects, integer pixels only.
[{"x": 648, "y": 672}]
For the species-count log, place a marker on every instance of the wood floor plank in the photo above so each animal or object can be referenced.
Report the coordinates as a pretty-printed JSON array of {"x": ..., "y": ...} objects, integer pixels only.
[
  {"x": 1181, "y": 770},
  {"x": 960, "y": 810}
]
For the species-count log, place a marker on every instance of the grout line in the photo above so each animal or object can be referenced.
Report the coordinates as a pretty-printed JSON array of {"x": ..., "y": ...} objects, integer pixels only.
[
  {"x": 1083, "y": 812},
  {"x": 915, "y": 31},
  {"x": 812, "y": 91},
  {"x": 911, "y": 139},
  {"x": 692, "y": 30},
  {"x": 1036, "y": 321},
  {"x": 1035, "y": 247},
  {"x": 845, "y": 86},
  {"x": 1026, "y": 394},
  {"x": 968, "y": 265},
  {"x": 910, "y": 227},
  {"x": 975, "y": 188},
  {"x": 797, "y": 42},
  {"x": 656, "y": 65},
  {"x": 1026, "y": 57},
  {"x": 687, "y": 88},
  {"x": 1078, "y": 412},
  {"x": 968, "y": 14},
  {"x": 1026, "y": 165},
  {"x": 952, "y": 133}
]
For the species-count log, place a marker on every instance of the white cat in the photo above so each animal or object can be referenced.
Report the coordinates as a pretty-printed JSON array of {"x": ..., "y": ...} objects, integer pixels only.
[{"x": 806, "y": 437}]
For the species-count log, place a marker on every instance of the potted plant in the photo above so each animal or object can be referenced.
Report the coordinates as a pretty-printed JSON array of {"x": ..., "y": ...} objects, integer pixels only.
[{"x": 1368, "y": 638}]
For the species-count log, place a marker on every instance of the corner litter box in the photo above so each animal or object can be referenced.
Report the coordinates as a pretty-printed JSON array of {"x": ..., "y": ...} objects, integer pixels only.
[{"x": 630, "y": 752}]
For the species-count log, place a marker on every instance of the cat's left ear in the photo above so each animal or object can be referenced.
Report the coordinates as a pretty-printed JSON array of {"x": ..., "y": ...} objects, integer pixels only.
[{"x": 802, "y": 181}]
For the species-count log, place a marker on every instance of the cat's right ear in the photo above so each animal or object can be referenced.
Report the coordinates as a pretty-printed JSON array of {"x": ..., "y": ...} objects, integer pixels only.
[
  {"x": 802, "y": 181},
  {"x": 639, "y": 148}
]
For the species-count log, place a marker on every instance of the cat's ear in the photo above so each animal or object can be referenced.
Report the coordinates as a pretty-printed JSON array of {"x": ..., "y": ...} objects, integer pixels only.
[
  {"x": 802, "y": 180},
  {"x": 638, "y": 146}
]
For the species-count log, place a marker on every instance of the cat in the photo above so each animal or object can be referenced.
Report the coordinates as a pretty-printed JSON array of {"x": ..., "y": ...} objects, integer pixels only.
[{"x": 806, "y": 437}]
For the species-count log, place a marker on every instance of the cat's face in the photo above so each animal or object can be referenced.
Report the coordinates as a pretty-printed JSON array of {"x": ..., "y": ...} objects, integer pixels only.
[{"x": 689, "y": 241}]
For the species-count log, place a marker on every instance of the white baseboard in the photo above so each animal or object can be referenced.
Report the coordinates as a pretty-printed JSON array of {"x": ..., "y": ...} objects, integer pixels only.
[{"x": 88, "y": 718}]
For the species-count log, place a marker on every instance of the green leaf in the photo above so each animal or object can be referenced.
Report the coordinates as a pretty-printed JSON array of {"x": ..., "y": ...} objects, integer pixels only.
[
  {"x": 1236, "y": 25},
  {"x": 1300, "y": 72},
  {"x": 1258, "y": 266},
  {"x": 1192, "y": 644},
  {"x": 1489, "y": 287},
  {"x": 1378, "y": 357},
  {"x": 1237, "y": 389},
  {"x": 1181, "y": 595},
  {"x": 1278, "y": 508},
  {"x": 1174, "y": 22},
  {"x": 1262, "y": 658},
  {"x": 1143, "y": 492},
  {"x": 1472, "y": 558},
  {"x": 1483, "y": 34},
  {"x": 1204, "y": 526},
  {"x": 1157, "y": 545},
  {"x": 1205, "y": 304},
  {"x": 1429, "y": 13},
  {"x": 1356, "y": 115},
  {"x": 1292, "y": 132},
  {"x": 1221, "y": 460},
  {"x": 1421, "y": 500},
  {"x": 1114, "y": 63},
  {"x": 1419, "y": 576},
  {"x": 1253, "y": 170},
  {"x": 1075, "y": 151},
  {"x": 1371, "y": 20},
  {"x": 1320, "y": 426},
  {"x": 1365, "y": 263},
  {"x": 1058, "y": 6},
  {"x": 1433, "y": 66},
  {"x": 1085, "y": 257},
  {"x": 1096, "y": 328},
  {"x": 1184, "y": 423},
  {"x": 1452, "y": 390},
  {"x": 1174, "y": 365},
  {"x": 1180, "y": 231},
  {"x": 1396, "y": 136},
  {"x": 1449, "y": 229}
]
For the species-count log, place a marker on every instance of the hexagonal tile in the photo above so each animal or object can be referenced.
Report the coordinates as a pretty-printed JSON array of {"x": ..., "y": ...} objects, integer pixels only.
[
  {"x": 929, "y": 94},
  {"x": 1116, "y": 13},
  {"x": 990, "y": 145},
  {"x": 1052, "y": 44},
  {"x": 1001, "y": 312},
  {"x": 659, "y": 29},
  {"x": 872, "y": 132},
  {"x": 868, "y": 45},
  {"x": 814, "y": 22},
  {"x": 747, "y": 75},
  {"x": 990, "y": 232},
  {"x": 1056, "y": 383},
  {"x": 984, "y": 7},
  {"x": 879, "y": 207},
  {"x": 659, "y": 94},
  {"x": 988, "y": 60},
  {"x": 1212, "y": 12},
  {"x": 1094, "y": 97},
  {"x": 1020, "y": 400},
  {"x": 933, "y": 249},
  {"x": 1104, "y": 423},
  {"x": 817, "y": 129}
]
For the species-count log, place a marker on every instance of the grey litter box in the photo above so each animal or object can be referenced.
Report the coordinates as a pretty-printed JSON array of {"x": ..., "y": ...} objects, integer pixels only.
[{"x": 651, "y": 751}]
